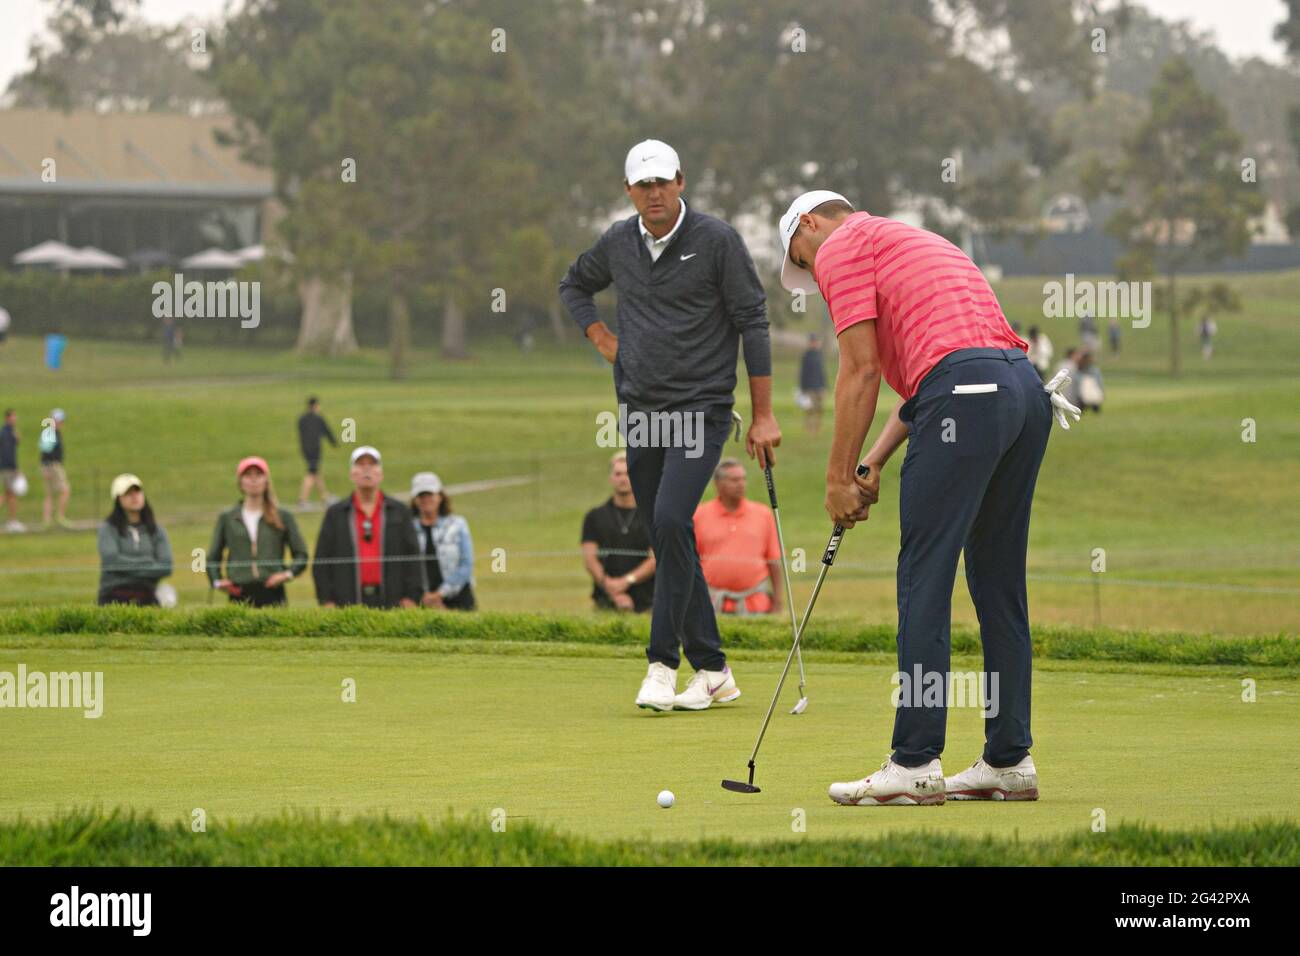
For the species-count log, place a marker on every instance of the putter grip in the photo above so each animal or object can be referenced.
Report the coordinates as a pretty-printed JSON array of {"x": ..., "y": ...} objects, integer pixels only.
[
  {"x": 833, "y": 546},
  {"x": 771, "y": 487}
]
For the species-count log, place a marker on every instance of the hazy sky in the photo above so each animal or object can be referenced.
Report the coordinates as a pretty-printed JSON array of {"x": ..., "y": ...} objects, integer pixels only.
[{"x": 1243, "y": 27}]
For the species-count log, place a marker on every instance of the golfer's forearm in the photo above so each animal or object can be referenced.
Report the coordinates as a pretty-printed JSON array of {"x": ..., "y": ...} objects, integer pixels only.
[
  {"x": 587, "y": 276},
  {"x": 760, "y": 395},
  {"x": 856, "y": 392},
  {"x": 891, "y": 436},
  {"x": 756, "y": 345}
]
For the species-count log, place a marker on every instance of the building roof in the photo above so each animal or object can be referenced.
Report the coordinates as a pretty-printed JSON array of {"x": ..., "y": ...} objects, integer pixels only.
[{"x": 123, "y": 154}]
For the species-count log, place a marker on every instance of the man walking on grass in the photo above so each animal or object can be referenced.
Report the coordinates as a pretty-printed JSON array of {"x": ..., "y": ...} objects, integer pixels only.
[
  {"x": 911, "y": 307},
  {"x": 312, "y": 427},
  {"x": 688, "y": 297}
]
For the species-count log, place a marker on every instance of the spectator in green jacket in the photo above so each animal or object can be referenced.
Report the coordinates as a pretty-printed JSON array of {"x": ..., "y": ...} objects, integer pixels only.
[
  {"x": 134, "y": 553},
  {"x": 251, "y": 539}
]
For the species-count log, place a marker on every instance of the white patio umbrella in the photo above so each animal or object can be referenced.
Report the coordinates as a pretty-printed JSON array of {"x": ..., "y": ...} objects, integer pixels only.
[
  {"x": 214, "y": 259},
  {"x": 88, "y": 257},
  {"x": 48, "y": 253},
  {"x": 251, "y": 254}
]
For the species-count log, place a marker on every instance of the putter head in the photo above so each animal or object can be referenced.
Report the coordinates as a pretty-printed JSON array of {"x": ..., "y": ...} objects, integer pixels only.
[
  {"x": 739, "y": 786},
  {"x": 800, "y": 707}
]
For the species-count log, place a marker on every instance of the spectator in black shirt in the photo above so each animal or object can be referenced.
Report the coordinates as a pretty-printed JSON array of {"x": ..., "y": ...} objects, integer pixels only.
[
  {"x": 616, "y": 548},
  {"x": 812, "y": 384},
  {"x": 311, "y": 429},
  {"x": 9, "y": 473}
]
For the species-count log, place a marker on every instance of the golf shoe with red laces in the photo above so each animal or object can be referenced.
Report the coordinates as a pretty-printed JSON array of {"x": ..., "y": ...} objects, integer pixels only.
[{"x": 893, "y": 786}]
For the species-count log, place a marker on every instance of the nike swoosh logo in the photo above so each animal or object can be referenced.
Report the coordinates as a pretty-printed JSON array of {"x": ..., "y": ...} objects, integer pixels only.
[
  {"x": 691, "y": 256},
  {"x": 714, "y": 690}
]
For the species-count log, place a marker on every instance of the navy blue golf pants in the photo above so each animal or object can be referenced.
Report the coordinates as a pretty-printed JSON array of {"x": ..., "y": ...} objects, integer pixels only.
[
  {"x": 978, "y": 428},
  {"x": 668, "y": 484}
]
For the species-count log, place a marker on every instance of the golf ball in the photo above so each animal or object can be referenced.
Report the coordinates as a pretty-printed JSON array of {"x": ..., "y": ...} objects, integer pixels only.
[{"x": 666, "y": 798}]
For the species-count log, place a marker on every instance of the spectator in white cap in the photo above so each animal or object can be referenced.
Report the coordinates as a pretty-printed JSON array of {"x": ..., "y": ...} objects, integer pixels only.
[
  {"x": 134, "y": 553},
  {"x": 688, "y": 299},
  {"x": 50, "y": 446},
  {"x": 367, "y": 552},
  {"x": 445, "y": 543}
]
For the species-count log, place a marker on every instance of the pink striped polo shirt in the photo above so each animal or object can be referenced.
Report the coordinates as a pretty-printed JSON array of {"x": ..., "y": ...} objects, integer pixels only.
[{"x": 927, "y": 297}]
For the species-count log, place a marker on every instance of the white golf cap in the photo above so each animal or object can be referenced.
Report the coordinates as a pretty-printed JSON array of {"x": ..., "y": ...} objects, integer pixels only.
[
  {"x": 58, "y": 415},
  {"x": 792, "y": 277},
  {"x": 370, "y": 450},
  {"x": 124, "y": 483},
  {"x": 651, "y": 159},
  {"x": 425, "y": 481}
]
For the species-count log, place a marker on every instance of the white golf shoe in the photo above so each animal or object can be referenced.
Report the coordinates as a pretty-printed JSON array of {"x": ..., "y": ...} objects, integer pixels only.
[
  {"x": 893, "y": 786},
  {"x": 658, "y": 689},
  {"x": 707, "y": 688},
  {"x": 982, "y": 782}
]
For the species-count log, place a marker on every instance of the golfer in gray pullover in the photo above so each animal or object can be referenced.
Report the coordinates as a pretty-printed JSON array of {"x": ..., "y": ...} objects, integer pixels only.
[{"x": 688, "y": 296}]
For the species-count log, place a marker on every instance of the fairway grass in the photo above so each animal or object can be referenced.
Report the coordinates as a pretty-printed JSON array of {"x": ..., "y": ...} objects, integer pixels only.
[{"x": 250, "y": 729}]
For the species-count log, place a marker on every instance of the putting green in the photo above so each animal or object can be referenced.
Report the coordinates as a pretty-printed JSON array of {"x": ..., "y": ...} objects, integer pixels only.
[{"x": 250, "y": 727}]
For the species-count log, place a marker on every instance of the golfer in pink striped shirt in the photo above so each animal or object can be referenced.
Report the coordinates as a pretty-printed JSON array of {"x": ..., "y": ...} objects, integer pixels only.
[{"x": 911, "y": 307}]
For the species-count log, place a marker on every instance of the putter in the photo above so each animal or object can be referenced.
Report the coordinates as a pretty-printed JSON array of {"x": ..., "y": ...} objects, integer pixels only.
[
  {"x": 802, "y": 703},
  {"x": 832, "y": 546}
]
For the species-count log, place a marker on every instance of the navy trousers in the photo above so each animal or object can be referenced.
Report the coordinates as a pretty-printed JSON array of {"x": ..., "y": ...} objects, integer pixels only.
[
  {"x": 966, "y": 484},
  {"x": 668, "y": 484}
]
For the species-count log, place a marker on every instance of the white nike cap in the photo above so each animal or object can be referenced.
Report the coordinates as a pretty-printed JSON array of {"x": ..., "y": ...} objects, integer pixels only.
[
  {"x": 364, "y": 450},
  {"x": 792, "y": 277},
  {"x": 651, "y": 159}
]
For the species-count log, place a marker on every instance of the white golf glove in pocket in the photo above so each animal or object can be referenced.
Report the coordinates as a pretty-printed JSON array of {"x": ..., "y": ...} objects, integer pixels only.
[{"x": 1060, "y": 404}]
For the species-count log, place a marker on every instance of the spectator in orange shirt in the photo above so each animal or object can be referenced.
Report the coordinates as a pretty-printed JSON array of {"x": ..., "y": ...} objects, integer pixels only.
[{"x": 737, "y": 542}]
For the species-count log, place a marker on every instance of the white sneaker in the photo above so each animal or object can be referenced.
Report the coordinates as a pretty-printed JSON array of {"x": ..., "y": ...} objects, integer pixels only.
[
  {"x": 658, "y": 689},
  {"x": 707, "y": 688},
  {"x": 982, "y": 782},
  {"x": 893, "y": 786},
  {"x": 15, "y": 527}
]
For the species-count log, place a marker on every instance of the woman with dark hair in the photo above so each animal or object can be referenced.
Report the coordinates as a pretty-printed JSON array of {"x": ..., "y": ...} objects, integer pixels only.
[
  {"x": 448, "y": 551},
  {"x": 134, "y": 553},
  {"x": 251, "y": 539}
]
